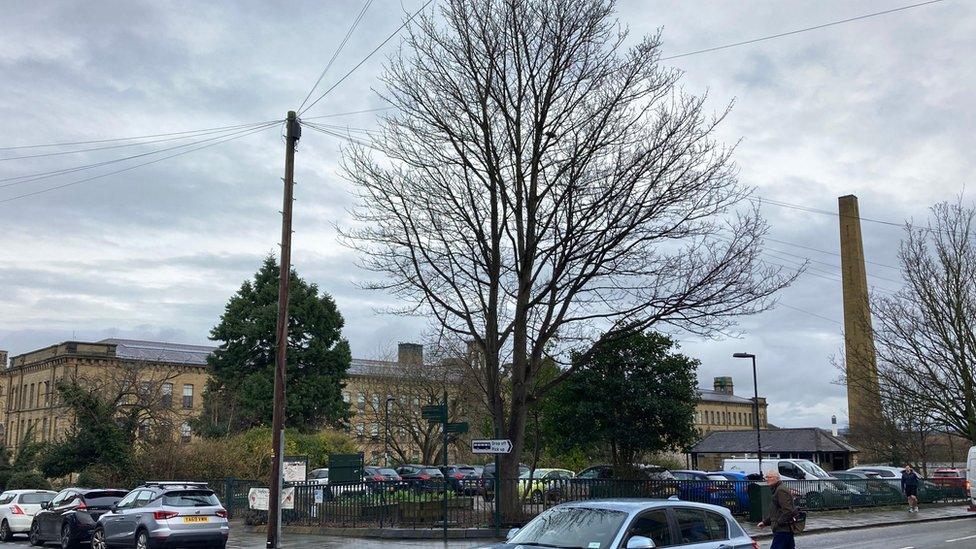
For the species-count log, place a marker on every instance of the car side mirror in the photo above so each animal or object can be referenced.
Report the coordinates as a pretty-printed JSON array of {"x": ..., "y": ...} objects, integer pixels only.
[
  {"x": 113, "y": 508},
  {"x": 640, "y": 542},
  {"x": 46, "y": 505},
  {"x": 511, "y": 534}
]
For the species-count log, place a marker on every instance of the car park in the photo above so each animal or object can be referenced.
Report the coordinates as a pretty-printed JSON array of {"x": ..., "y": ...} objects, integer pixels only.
[
  {"x": 162, "y": 515},
  {"x": 643, "y": 481},
  {"x": 463, "y": 479},
  {"x": 877, "y": 490},
  {"x": 70, "y": 517},
  {"x": 632, "y": 524},
  {"x": 17, "y": 510}
]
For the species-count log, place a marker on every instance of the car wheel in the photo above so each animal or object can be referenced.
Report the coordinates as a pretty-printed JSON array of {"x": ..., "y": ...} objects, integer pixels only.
[
  {"x": 5, "y": 534},
  {"x": 34, "y": 536},
  {"x": 815, "y": 500},
  {"x": 536, "y": 497},
  {"x": 489, "y": 496},
  {"x": 98, "y": 539},
  {"x": 66, "y": 541},
  {"x": 142, "y": 539}
]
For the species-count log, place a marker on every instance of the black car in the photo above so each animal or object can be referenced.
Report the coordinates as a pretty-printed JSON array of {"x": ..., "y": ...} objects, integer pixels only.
[
  {"x": 71, "y": 516},
  {"x": 463, "y": 479},
  {"x": 421, "y": 478},
  {"x": 488, "y": 479},
  {"x": 642, "y": 481},
  {"x": 380, "y": 479}
]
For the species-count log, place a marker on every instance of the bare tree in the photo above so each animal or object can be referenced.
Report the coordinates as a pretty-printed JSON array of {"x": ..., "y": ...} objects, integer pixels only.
[
  {"x": 540, "y": 183},
  {"x": 926, "y": 332}
]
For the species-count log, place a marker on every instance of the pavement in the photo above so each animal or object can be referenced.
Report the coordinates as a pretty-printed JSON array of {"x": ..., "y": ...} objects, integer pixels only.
[
  {"x": 954, "y": 534},
  {"x": 854, "y": 520}
]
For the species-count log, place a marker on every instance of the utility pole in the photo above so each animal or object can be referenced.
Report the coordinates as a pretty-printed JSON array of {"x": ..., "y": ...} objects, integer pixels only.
[{"x": 292, "y": 134}]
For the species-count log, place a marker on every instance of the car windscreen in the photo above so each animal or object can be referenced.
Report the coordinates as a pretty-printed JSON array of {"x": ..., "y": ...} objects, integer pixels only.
[
  {"x": 103, "y": 498},
  {"x": 812, "y": 468},
  {"x": 190, "y": 498},
  {"x": 572, "y": 527},
  {"x": 433, "y": 471},
  {"x": 716, "y": 477},
  {"x": 36, "y": 497},
  {"x": 388, "y": 472},
  {"x": 319, "y": 473}
]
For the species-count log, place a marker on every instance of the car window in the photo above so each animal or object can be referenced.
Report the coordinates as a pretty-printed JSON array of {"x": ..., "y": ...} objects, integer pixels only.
[
  {"x": 6, "y": 498},
  {"x": 68, "y": 499},
  {"x": 126, "y": 502},
  {"x": 59, "y": 499},
  {"x": 715, "y": 477},
  {"x": 144, "y": 497},
  {"x": 693, "y": 526},
  {"x": 717, "y": 526},
  {"x": 683, "y": 476},
  {"x": 387, "y": 472},
  {"x": 103, "y": 498},
  {"x": 190, "y": 498},
  {"x": 654, "y": 525},
  {"x": 34, "y": 498},
  {"x": 319, "y": 473},
  {"x": 571, "y": 527}
]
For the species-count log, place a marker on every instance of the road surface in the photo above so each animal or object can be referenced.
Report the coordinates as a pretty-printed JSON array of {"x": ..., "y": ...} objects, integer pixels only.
[{"x": 951, "y": 534}]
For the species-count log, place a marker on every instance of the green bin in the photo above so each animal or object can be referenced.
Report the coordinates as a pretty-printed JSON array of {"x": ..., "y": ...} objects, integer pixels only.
[{"x": 760, "y": 497}]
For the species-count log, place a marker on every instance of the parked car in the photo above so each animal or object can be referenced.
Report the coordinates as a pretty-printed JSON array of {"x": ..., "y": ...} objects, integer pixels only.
[
  {"x": 70, "y": 517},
  {"x": 928, "y": 491},
  {"x": 740, "y": 483},
  {"x": 952, "y": 480},
  {"x": 648, "y": 481},
  {"x": 164, "y": 515},
  {"x": 421, "y": 478},
  {"x": 17, "y": 510},
  {"x": 488, "y": 479},
  {"x": 319, "y": 476},
  {"x": 463, "y": 479},
  {"x": 971, "y": 477},
  {"x": 631, "y": 524},
  {"x": 542, "y": 485},
  {"x": 382, "y": 479},
  {"x": 706, "y": 488},
  {"x": 879, "y": 491}
]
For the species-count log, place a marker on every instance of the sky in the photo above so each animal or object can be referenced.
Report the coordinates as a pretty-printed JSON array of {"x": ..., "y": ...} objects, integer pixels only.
[{"x": 881, "y": 108}]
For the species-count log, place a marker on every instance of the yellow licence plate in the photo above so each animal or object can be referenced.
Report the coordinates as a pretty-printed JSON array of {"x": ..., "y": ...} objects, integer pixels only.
[{"x": 194, "y": 519}]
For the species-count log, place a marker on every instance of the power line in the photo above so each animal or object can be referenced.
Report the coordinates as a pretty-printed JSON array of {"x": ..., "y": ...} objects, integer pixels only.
[
  {"x": 346, "y": 113},
  {"x": 65, "y": 144},
  {"x": 826, "y": 252},
  {"x": 335, "y": 54},
  {"x": 798, "y": 31},
  {"x": 820, "y": 211},
  {"x": 27, "y": 178},
  {"x": 338, "y": 135},
  {"x": 376, "y": 49},
  {"x": 122, "y": 146},
  {"x": 828, "y": 319},
  {"x": 79, "y": 181}
]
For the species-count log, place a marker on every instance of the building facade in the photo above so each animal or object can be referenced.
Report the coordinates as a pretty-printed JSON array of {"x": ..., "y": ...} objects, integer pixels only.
[
  {"x": 166, "y": 378},
  {"x": 720, "y": 409}
]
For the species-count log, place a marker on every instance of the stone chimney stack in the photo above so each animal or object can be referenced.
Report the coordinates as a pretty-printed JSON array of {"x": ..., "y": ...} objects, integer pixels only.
[
  {"x": 3, "y": 359},
  {"x": 723, "y": 384},
  {"x": 410, "y": 353}
]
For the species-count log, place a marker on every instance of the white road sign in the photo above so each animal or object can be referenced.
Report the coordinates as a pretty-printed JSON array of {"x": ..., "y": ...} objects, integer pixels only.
[{"x": 491, "y": 446}]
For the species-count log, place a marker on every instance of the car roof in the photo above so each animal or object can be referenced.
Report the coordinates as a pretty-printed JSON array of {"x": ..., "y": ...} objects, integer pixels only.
[
  {"x": 25, "y": 491},
  {"x": 636, "y": 505}
]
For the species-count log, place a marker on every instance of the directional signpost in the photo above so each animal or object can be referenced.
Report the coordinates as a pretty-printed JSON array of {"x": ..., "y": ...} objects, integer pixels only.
[{"x": 491, "y": 446}]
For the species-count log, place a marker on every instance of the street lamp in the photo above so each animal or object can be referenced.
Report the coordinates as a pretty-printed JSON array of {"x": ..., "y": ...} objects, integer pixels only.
[
  {"x": 386, "y": 437},
  {"x": 755, "y": 403}
]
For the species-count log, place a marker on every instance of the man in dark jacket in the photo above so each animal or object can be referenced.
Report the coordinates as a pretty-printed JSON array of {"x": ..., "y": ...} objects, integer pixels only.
[
  {"x": 909, "y": 487},
  {"x": 780, "y": 513}
]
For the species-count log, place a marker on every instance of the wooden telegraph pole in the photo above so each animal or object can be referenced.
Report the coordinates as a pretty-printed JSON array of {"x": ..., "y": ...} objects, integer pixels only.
[{"x": 292, "y": 134}]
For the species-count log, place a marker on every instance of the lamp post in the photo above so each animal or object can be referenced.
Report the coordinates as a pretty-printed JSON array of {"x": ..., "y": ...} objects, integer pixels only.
[
  {"x": 755, "y": 404},
  {"x": 386, "y": 437}
]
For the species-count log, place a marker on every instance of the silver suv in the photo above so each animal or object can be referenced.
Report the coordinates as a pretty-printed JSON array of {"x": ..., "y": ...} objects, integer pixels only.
[{"x": 163, "y": 515}]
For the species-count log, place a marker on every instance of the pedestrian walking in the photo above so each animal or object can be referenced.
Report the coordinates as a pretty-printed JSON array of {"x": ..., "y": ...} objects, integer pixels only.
[
  {"x": 909, "y": 486},
  {"x": 780, "y": 514}
]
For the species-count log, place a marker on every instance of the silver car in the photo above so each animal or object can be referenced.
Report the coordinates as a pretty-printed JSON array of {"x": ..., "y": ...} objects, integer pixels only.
[
  {"x": 163, "y": 515},
  {"x": 631, "y": 524}
]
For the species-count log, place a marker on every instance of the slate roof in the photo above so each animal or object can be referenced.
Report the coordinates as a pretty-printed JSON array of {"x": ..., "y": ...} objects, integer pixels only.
[
  {"x": 805, "y": 439},
  {"x": 711, "y": 395},
  {"x": 156, "y": 351}
]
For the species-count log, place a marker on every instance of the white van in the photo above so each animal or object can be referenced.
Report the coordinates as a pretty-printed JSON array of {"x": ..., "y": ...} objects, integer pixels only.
[
  {"x": 789, "y": 469},
  {"x": 971, "y": 477}
]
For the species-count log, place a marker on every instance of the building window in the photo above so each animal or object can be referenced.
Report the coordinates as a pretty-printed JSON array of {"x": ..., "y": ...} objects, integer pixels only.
[
  {"x": 144, "y": 429},
  {"x": 185, "y": 431},
  {"x": 47, "y": 393},
  {"x": 376, "y": 402},
  {"x": 361, "y": 401},
  {"x": 44, "y": 430},
  {"x": 167, "y": 394},
  {"x": 144, "y": 388},
  {"x": 346, "y": 397},
  {"x": 374, "y": 431},
  {"x": 54, "y": 429},
  {"x": 31, "y": 402},
  {"x": 187, "y": 397},
  {"x": 360, "y": 430}
]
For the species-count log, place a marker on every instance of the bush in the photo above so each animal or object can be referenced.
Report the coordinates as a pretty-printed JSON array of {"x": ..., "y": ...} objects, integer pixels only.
[{"x": 26, "y": 480}]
